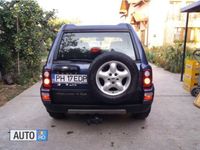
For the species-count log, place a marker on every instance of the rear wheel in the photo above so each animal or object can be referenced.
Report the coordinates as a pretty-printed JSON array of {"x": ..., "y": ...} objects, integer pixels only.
[{"x": 57, "y": 115}]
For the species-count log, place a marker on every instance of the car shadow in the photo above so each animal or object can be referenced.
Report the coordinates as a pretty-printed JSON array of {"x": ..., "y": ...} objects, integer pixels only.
[
  {"x": 100, "y": 120},
  {"x": 109, "y": 125}
]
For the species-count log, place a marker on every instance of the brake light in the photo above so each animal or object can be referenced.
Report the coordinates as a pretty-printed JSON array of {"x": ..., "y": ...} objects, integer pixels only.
[
  {"x": 147, "y": 78},
  {"x": 47, "y": 79},
  {"x": 95, "y": 50}
]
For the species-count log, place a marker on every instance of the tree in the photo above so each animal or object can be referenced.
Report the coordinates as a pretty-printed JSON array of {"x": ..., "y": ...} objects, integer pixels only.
[{"x": 24, "y": 30}]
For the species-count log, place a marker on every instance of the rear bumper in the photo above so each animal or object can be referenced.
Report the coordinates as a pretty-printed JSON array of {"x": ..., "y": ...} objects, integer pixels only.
[
  {"x": 129, "y": 108},
  {"x": 61, "y": 108}
]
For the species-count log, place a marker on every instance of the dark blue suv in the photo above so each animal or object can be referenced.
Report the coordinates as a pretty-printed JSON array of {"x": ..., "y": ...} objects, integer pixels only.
[{"x": 97, "y": 69}]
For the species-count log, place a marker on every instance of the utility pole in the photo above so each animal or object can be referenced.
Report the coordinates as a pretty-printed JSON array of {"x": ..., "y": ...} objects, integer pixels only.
[
  {"x": 18, "y": 60},
  {"x": 184, "y": 46}
]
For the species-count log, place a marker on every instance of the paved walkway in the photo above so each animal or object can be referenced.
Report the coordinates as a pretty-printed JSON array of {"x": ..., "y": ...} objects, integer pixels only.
[{"x": 174, "y": 123}]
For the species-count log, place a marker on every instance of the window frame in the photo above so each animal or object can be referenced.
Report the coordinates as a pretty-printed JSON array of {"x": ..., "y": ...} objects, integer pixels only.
[{"x": 137, "y": 58}]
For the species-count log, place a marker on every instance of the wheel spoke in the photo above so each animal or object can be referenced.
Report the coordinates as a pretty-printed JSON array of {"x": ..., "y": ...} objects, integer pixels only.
[
  {"x": 123, "y": 74},
  {"x": 107, "y": 86},
  {"x": 119, "y": 86},
  {"x": 102, "y": 74},
  {"x": 113, "y": 67}
]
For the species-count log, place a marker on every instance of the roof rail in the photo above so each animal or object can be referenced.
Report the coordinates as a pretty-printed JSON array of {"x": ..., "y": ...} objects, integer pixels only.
[
  {"x": 68, "y": 25},
  {"x": 123, "y": 24}
]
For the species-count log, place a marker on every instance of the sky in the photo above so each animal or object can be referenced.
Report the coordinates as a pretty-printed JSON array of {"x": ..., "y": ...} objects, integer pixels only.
[{"x": 87, "y": 11}]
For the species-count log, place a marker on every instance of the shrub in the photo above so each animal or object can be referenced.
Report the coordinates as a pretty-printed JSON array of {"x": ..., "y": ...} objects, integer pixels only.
[{"x": 168, "y": 57}]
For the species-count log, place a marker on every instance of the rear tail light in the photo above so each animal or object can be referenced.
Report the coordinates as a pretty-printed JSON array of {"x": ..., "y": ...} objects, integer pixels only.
[
  {"x": 47, "y": 74},
  {"x": 147, "y": 78},
  {"x": 46, "y": 80}
]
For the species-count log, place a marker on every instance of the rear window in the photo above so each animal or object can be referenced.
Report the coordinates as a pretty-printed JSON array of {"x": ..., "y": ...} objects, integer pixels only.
[{"x": 80, "y": 45}]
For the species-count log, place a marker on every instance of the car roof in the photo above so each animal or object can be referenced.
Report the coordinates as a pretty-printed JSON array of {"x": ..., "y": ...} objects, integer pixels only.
[{"x": 119, "y": 27}]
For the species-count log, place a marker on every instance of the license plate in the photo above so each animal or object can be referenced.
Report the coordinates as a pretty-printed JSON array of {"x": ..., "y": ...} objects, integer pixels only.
[{"x": 71, "y": 78}]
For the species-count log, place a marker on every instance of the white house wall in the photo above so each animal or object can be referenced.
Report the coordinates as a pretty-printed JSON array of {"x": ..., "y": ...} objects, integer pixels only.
[{"x": 157, "y": 22}]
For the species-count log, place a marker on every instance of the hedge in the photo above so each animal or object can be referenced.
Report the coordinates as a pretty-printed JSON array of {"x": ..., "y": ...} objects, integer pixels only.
[{"x": 168, "y": 57}]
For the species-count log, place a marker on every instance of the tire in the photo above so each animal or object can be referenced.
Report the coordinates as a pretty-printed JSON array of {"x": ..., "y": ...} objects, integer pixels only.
[
  {"x": 141, "y": 116},
  {"x": 57, "y": 115},
  {"x": 196, "y": 55},
  {"x": 113, "y": 95},
  {"x": 195, "y": 91}
]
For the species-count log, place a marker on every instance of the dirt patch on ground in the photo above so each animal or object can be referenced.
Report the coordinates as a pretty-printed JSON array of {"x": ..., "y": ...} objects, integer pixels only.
[{"x": 7, "y": 92}]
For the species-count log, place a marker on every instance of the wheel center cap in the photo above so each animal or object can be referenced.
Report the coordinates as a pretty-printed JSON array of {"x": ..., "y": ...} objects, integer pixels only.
[{"x": 113, "y": 79}]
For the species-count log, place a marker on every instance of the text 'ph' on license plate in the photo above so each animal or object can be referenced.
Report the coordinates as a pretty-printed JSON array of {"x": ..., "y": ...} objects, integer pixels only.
[{"x": 70, "y": 78}]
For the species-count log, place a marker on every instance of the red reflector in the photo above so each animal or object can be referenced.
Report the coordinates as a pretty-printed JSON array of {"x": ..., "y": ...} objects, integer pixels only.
[
  {"x": 45, "y": 97},
  {"x": 148, "y": 96}
]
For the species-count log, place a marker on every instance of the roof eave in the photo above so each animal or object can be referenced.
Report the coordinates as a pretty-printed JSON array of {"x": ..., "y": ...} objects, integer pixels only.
[{"x": 194, "y": 7}]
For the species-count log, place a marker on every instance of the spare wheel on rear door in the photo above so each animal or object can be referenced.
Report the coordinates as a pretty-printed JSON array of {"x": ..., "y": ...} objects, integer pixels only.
[{"x": 113, "y": 77}]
